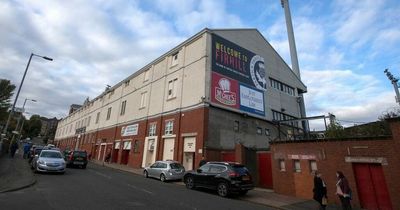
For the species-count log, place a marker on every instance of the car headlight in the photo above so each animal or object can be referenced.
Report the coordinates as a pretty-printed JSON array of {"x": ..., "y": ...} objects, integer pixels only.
[{"x": 41, "y": 162}]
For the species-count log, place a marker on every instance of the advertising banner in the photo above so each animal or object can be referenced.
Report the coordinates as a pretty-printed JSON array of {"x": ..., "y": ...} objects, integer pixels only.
[
  {"x": 238, "y": 63},
  {"x": 238, "y": 77},
  {"x": 130, "y": 130}
]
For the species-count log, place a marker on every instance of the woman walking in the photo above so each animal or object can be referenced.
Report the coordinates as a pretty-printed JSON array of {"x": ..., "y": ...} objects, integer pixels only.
[
  {"x": 320, "y": 191},
  {"x": 343, "y": 191}
]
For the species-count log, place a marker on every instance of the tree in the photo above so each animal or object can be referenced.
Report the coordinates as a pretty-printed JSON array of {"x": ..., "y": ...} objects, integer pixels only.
[
  {"x": 334, "y": 130},
  {"x": 390, "y": 114},
  {"x": 33, "y": 126},
  {"x": 6, "y": 92}
]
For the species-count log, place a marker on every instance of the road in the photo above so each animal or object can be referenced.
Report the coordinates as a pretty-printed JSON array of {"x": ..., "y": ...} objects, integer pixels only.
[{"x": 100, "y": 187}]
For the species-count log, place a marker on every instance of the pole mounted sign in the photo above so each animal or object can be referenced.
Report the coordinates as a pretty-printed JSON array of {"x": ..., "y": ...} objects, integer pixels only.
[{"x": 238, "y": 77}]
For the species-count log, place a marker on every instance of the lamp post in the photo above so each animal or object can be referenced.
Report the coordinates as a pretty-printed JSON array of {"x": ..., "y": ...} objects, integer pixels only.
[
  {"x": 23, "y": 110},
  {"x": 19, "y": 90},
  {"x": 394, "y": 81}
]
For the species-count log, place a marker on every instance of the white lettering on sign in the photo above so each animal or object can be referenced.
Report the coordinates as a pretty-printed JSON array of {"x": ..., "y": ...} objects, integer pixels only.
[
  {"x": 302, "y": 157},
  {"x": 251, "y": 98},
  {"x": 190, "y": 144},
  {"x": 130, "y": 130}
]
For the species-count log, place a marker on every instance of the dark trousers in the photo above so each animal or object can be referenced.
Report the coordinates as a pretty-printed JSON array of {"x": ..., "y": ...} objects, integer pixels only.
[{"x": 345, "y": 203}]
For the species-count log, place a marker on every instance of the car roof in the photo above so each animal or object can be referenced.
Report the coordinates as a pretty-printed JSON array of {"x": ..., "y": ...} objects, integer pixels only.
[
  {"x": 166, "y": 161},
  {"x": 50, "y": 150},
  {"x": 225, "y": 163}
]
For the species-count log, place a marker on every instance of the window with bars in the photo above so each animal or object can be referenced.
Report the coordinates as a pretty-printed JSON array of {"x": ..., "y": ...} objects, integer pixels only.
[
  {"x": 152, "y": 129},
  {"x": 169, "y": 127}
]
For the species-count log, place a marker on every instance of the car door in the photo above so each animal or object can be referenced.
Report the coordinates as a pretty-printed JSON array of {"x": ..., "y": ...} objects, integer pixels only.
[
  {"x": 214, "y": 175},
  {"x": 152, "y": 169},
  {"x": 162, "y": 167},
  {"x": 201, "y": 175}
]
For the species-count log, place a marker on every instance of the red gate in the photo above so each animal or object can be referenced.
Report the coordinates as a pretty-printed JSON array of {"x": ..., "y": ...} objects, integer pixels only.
[
  {"x": 265, "y": 170},
  {"x": 228, "y": 156},
  {"x": 371, "y": 186}
]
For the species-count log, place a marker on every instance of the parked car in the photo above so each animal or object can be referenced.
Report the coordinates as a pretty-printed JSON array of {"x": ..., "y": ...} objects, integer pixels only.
[
  {"x": 76, "y": 158},
  {"x": 49, "y": 161},
  {"x": 35, "y": 150},
  {"x": 165, "y": 170},
  {"x": 225, "y": 177}
]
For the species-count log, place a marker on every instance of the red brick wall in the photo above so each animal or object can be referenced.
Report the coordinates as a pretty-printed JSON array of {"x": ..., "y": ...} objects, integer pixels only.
[{"x": 330, "y": 156}]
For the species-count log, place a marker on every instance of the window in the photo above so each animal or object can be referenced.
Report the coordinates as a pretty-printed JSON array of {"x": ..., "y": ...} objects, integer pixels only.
[
  {"x": 152, "y": 129},
  {"x": 259, "y": 131},
  {"x": 146, "y": 75},
  {"x": 297, "y": 167},
  {"x": 143, "y": 100},
  {"x": 236, "y": 125},
  {"x": 127, "y": 83},
  {"x": 169, "y": 127},
  {"x": 267, "y": 132},
  {"x": 172, "y": 89},
  {"x": 123, "y": 106},
  {"x": 108, "y": 113},
  {"x": 97, "y": 117},
  {"x": 89, "y": 119},
  {"x": 282, "y": 166},
  {"x": 313, "y": 165},
  {"x": 282, "y": 87},
  {"x": 174, "y": 60}
]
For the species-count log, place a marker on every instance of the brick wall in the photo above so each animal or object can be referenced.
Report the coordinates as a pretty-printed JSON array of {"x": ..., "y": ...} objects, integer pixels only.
[{"x": 330, "y": 156}]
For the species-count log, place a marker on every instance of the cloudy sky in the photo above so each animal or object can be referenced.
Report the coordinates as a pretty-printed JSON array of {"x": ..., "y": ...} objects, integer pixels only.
[{"x": 343, "y": 46}]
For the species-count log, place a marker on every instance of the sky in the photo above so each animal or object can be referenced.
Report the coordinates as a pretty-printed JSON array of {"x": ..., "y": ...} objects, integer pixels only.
[{"x": 343, "y": 46}]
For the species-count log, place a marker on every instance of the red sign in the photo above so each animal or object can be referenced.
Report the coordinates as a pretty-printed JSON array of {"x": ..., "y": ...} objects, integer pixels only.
[{"x": 224, "y": 91}]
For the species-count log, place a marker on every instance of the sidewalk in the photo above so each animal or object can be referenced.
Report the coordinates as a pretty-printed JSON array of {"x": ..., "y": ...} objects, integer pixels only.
[
  {"x": 15, "y": 173},
  {"x": 258, "y": 195}
]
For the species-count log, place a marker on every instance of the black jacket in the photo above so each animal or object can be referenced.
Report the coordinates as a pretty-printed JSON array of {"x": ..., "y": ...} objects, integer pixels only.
[{"x": 319, "y": 189}]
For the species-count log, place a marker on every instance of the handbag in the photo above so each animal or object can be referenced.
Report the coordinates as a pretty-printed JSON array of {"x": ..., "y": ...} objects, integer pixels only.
[{"x": 324, "y": 201}]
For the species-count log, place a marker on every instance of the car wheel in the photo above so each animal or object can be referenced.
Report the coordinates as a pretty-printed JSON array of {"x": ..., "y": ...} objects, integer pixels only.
[
  {"x": 243, "y": 192},
  {"x": 162, "y": 178},
  {"x": 222, "y": 189},
  {"x": 145, "y": 174},
  {"x": 189, "y": 182}
]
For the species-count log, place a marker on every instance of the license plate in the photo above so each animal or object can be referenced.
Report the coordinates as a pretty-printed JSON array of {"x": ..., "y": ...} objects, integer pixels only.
[
  {"x": 246, "y": 178},
  {"x": 78, "y": 163}
]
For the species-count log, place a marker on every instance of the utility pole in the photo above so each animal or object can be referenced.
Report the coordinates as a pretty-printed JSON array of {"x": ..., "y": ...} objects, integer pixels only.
[{"x": 394, "y": 81}]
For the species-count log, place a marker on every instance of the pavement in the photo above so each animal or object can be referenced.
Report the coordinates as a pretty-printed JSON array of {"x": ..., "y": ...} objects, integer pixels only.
[
  {"x": 262, "y": 196},
  {"x": 15, "y": 173}
]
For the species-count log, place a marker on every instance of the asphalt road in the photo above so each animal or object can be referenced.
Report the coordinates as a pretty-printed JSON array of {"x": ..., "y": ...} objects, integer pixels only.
[{"x": 100, "y": 187}]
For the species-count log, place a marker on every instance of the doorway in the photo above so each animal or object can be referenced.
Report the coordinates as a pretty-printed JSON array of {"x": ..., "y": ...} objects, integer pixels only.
[
  {"x": 168, "y": 153},
  {"x": 371, "y": 186},
  {"x": 188, "y": 159}
]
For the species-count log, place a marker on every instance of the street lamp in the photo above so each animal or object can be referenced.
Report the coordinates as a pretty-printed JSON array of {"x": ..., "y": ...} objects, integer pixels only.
[
  {"x": 23, "y": 110},
  {"x": 394, "y": 81},
  {"x": 19, "y": 89}
]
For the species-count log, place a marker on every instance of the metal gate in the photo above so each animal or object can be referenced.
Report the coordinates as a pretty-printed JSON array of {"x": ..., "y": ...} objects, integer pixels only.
[{"x": 371, "y": 186}]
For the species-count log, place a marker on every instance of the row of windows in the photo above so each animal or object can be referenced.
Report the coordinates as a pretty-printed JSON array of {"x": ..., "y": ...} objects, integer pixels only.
[
  {"x": 259, "y": 130},
  {"x": 297, "y": 166},
  {"x": 282, "y": 87}
]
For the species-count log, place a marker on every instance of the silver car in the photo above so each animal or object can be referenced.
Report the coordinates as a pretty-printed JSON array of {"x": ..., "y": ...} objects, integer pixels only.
[
  {"x": 49, "y": 161},
  {"x": 165, "y": 170}
]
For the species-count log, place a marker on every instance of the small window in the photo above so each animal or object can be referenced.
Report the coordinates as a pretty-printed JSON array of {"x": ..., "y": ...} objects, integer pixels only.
[
  {"x": 152, "y": 129},
  {"x": 267, "y": 132},
  {"x": 297, "y": 167},
  {"x": 282, "y": 166},
  {"x": 108, "y": 113},
  {"x": 313, "y": 165},
  {"x": 97, "y": 117},
  {"x": 236, "y": 125},
  {"x": 88, "y": 122},
  {"x": 123, "y": 106},
  {"x": 143, "y": 100},
  {"x": 169, "y": 127},
  {"x": 174, "y": 60},
  {"x": 146, "y": 75},
  {"x": 259, "y": 131},
  {"x": 127, "y": 83},
  {"x": 172, "y": 88}
]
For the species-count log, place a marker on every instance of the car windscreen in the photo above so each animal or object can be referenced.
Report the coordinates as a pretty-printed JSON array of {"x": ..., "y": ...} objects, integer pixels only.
[
  {"x": 175, "y": 166},
  {"x": 37, "y": 151},
  {"x": 241, "y": 170},
  {"x": 79, "y": 154},
  {"x": 50, "y": 154}
]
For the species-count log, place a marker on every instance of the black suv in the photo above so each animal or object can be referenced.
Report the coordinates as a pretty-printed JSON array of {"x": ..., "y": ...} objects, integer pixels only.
[
  {"x": 225, "y": 177},
  {"x": 76, "y": 158}
]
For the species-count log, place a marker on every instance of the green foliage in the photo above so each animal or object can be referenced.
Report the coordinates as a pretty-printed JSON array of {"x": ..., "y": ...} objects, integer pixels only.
[
  {"x": 6, "y": 92},
  {"x": 334, "y": 130},
  {"x": 390, "y": 114},
  {"x": 32, "y": 126}
]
